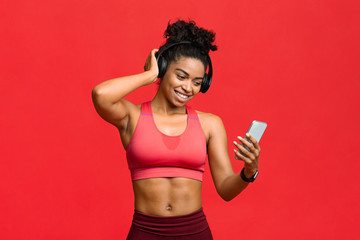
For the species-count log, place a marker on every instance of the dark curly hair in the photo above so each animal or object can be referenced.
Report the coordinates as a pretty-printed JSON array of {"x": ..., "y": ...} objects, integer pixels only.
[{"x": 202, "y": 41}]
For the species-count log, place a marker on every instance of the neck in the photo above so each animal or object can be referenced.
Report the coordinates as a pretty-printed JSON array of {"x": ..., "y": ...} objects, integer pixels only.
[{"x": 161, "y": 105}]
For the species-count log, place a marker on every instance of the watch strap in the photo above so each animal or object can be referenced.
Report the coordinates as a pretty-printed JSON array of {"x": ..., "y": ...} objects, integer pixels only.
[{"x": 248, "y": 179}]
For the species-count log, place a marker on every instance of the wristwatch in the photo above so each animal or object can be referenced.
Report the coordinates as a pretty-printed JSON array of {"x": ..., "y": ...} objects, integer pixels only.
[{"x": 248, "y": 179}]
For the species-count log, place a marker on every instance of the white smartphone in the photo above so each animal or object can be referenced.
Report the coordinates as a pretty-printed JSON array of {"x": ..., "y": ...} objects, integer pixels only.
[{"x": 256, "y": 130}]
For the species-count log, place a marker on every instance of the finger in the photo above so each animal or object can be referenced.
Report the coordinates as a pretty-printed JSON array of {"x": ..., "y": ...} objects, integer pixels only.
[
  {"x": 243, "y": 150},
  {"x": 251, "y": 139},
  {"x": 150, "y": 60},
  {"x": 254, "y": 142},
  {"x": 154, "y": 51},
  {"x": 248, "y": 144},
  {"x": 241, "y": 157},
  {"x": 240, "y": 146}
]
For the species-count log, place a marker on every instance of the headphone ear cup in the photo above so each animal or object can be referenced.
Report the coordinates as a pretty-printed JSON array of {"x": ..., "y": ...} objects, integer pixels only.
[
  {"x": 162, "y": 64},
  {"x": 205, "y": 83}
]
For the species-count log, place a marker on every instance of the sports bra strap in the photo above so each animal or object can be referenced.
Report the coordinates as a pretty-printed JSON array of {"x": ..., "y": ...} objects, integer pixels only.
[
  {"x": 146, "y": 108},
  {"x": 191, "y": 113}
]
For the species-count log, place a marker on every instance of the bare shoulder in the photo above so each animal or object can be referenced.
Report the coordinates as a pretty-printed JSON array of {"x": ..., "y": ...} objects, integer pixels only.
[
  {"x": 209, "y": 118},
  {"x": 210, "y": 123}
]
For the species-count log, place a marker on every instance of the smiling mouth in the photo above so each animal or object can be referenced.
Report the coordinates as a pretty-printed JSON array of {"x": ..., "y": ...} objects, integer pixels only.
[{"x": 181, "y": 95}]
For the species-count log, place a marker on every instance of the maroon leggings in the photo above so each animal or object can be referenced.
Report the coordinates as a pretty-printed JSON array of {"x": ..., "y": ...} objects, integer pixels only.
[{"x": 185, "y": 227}]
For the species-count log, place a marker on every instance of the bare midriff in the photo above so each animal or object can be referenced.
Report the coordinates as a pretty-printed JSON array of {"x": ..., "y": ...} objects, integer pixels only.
[{"x": 167, "y": 196}]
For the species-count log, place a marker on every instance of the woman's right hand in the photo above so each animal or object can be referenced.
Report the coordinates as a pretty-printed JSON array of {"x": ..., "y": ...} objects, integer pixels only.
[{"x": 151, "y": 64}]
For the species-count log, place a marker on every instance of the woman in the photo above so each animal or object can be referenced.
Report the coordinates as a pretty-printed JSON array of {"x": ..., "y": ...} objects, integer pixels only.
[{"x": 167, "y": 142}]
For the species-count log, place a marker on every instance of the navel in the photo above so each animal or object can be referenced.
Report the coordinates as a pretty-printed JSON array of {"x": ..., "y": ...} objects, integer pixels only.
[{"x": 168, "y": 207}]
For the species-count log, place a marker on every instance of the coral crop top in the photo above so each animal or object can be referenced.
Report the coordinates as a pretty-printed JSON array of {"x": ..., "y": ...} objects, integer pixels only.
[{"x": 152, "y": 153}]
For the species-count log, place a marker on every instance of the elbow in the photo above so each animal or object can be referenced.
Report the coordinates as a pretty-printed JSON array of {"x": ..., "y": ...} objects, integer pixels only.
[
  {"x": 97, "y": 94},
  {"x": 226, "y": 197},
  {"x": 96, "y": 91}
]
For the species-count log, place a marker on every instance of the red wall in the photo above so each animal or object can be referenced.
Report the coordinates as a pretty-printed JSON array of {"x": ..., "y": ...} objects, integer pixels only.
[{"x": 293, "y": 64}]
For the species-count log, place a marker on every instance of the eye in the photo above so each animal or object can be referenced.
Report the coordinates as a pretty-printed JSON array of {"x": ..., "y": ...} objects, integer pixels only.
[
  {"x": 197, "y": 83},
  {"x": 181, "y": 77}
]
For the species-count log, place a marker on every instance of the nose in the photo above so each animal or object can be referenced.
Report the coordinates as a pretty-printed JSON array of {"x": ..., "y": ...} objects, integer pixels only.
[{"x": 187, "y": 86}]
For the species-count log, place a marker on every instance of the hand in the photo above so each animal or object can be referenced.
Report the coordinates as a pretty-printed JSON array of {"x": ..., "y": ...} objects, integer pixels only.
[
  {"x": 251, "y": 157},
  {"x": 151, "y": 64}
]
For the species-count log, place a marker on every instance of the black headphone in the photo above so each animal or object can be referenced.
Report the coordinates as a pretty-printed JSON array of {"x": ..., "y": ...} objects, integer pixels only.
[{"x": 162, "y": 63}]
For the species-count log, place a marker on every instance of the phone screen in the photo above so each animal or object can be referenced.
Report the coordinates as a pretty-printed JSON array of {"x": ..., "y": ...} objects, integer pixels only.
[{"x": 256, "y": 130}]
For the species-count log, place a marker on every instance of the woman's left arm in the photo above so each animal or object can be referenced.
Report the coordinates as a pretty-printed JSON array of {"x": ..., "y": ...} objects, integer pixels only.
[{"x": 227, "y": 183}]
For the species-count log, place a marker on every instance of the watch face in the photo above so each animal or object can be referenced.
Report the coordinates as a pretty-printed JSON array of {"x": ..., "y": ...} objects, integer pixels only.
[{"x": 256, "y": 174}]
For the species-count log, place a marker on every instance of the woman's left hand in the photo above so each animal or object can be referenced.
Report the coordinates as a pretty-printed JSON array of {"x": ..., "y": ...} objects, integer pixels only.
[{"x": 251, "y": 157}]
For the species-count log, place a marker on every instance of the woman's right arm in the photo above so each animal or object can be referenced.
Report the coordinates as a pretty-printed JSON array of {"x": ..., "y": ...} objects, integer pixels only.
[{"x": 108, "y": 96}]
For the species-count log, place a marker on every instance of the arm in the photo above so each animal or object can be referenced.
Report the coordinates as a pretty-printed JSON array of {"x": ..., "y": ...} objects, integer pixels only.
[
  {"x": 227, "y": 183},
  {"x": 108, "y": 96}
]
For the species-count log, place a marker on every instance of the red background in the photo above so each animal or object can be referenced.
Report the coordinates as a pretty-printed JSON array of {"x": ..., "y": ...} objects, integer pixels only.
[{"x": 293, "y": 64}]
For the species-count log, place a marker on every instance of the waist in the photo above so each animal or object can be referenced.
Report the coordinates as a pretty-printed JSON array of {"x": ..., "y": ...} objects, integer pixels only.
[
  {"x": 181, "y": 225},
  {"x": 167, "y": 196}
]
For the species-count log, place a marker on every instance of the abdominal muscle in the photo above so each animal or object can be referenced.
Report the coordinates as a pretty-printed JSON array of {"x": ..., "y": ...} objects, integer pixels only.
[{"x": 167, "y": 196}]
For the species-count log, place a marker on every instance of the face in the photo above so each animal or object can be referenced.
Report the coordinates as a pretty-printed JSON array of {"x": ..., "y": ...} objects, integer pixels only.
[{"x": 182, "y": 80}]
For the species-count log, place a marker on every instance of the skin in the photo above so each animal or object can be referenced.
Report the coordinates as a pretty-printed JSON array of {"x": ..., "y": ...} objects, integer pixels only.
[{"x": 174, "y": 196}]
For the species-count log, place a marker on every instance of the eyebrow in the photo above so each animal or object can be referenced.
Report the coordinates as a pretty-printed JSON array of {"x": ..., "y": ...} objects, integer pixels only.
[{"x": 181, "y": 70}]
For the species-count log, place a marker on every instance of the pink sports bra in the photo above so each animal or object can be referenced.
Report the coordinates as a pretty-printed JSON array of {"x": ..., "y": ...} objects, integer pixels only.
[{"x": 151, "y": 153}]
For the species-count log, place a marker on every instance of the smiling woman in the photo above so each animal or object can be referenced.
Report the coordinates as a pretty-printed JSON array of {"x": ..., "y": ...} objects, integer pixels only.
[
  {"x": 167, "y": 141},
  {"x": 184, "y": 78}
]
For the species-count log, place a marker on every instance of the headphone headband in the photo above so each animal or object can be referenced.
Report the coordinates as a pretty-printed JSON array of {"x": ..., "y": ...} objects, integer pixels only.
[
  {"x": 162, "y": 64},
  {"x": 170, "y": 45}
]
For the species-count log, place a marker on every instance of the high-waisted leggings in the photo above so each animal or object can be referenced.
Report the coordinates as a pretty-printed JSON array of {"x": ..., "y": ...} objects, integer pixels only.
[{"x": 184, "y": 227}]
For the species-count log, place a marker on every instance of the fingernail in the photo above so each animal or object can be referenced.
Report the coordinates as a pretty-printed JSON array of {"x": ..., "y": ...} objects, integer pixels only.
[
  {"x": 235, "y": 150},
  {"x": 247, "y": 134},
  {"x": 239, "y": 137},
  {"x": 235, "y": 142}
]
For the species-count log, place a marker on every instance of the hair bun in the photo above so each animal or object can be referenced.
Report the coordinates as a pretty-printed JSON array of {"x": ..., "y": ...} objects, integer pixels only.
[{"x": 188, "y": 31}]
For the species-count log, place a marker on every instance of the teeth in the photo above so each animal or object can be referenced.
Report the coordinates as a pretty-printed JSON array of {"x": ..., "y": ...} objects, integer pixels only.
[{"x": 181, "y": 95}]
